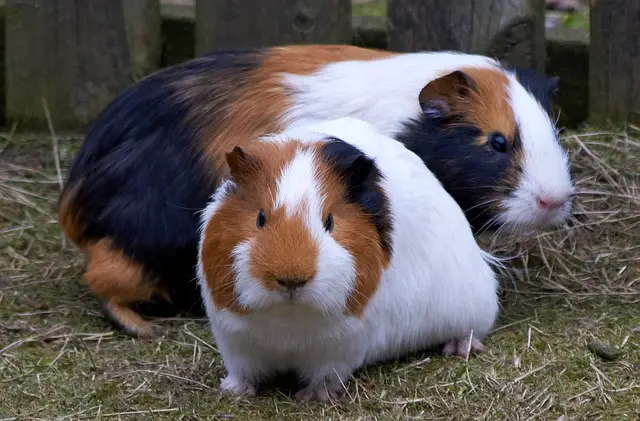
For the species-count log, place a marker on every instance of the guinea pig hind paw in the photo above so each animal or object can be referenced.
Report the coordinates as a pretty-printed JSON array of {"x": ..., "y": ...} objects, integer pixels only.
[
  {"x": 238, "y": 386},
  {"x": 460, "y": 347}
]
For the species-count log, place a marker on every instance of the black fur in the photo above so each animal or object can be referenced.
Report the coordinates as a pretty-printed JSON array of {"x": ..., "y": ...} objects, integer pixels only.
[
  {"x": 469, "y": 172},
  {"x": 540, "y": 87},
  {"x": 140, "y": 172},
  {"x": 363, "y": 178}
]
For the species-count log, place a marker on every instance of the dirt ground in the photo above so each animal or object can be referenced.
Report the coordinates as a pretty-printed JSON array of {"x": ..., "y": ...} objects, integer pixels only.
[{"x": 568, "y": 294}]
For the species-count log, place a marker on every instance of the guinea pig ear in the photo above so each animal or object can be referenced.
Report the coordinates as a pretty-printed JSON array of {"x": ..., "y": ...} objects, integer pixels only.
[
  {"x": 437, "y": 97},
  {"x": 359, "y": 170},
  {"x": 241, "y": 165},
  {"x": 553, "y": 83}
]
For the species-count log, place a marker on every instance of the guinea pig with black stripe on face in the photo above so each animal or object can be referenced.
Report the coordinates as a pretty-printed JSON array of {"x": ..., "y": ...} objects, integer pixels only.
[
  {"x": 484, "y": 130},
  {"x": 155, "y": 154},
  {"x": 331, "y": 246}
]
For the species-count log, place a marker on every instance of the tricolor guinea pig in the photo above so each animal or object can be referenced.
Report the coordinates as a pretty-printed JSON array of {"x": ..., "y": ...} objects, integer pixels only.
[
  {"x": 332, "y": 246},
  {"x": 157, "y": 151}
]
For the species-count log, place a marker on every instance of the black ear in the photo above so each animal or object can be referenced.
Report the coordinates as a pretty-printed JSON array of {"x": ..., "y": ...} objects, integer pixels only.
[
  {"x": 241, "y": 165},
  {"x": 359, "y": 170},
  {"x": 438, "y": 96},
  {"x": 552, "y": 84}
]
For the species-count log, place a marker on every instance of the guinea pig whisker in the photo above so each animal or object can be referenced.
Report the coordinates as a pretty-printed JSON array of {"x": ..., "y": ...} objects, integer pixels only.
[
  {"x": 482, "y": 204},
  {"x": 487, "y": 224},
  {"x": 498, "y": 188}
]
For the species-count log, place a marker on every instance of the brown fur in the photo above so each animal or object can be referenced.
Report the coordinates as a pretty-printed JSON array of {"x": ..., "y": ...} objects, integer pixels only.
[
  {"x": 248, "y": 108},
  {"x": 67, "y": 218},
  {"x": 356, "y": 234},
  {"x": 235, "y": 221},
  {"x": 481, "y": 95},
  {"x": 119, "y": 281},
  {"x": 112, "y": 276},
  {"x": 283, "y": 247}
]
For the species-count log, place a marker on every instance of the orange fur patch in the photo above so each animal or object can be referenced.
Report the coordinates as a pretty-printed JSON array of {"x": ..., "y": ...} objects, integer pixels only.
[
  {"x": 67, "y": 218},
  {"x": 484, "y": 104},
  {"x": 119, "y": 281},
  {"x": 255, "y": 108},
  {"x": 284, "y": 249},
  {"x": 235, "y": 220},
  {"x": 357, "y": 235},
  {"x": 128, "y": 320},
  {"x": 113, "y": 276}
]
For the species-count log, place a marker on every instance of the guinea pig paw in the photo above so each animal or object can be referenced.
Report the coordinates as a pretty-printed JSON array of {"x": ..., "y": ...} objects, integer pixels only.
[
  {"x": 238, "y": 386},
  {"x": 322, "y": 392},
  {"x": 460, "y": 347}
]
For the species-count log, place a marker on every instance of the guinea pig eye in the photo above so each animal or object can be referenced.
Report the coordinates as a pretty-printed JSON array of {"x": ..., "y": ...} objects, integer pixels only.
[
  {"x": 498, "y": 142},
  {"x": 261, "y": 219},
  {"x": 328, "y": 223}
]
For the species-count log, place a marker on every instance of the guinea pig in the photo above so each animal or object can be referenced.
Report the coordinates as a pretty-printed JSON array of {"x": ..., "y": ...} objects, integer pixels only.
[
  {"x": 331, "y": 246},
  {"x": 154, "y": 155}
]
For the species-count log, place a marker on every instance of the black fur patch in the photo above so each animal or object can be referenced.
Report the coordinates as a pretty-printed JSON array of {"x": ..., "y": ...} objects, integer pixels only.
[
  {"x": 467, "y": 171},
  {"x": 541, "y": 88},
  {"x": 362, "y": 177},
  {"x": 141, "y": 177},
  {"x": 474, "y": 175}
]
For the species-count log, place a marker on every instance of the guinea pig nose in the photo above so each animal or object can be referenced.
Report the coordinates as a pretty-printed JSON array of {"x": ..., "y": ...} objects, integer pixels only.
[
  {"x": 291, "y": 283},
  {"x": 550, "y": 203}
]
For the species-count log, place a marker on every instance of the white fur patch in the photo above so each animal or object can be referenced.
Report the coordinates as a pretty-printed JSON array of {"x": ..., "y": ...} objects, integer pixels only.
[
  {"x": 381, "y": 92},
  {"x": 545, "y": 171}
]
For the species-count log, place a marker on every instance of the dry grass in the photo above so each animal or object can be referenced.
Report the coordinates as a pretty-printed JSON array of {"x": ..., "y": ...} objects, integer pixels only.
[{"x": 60, "y": 360}]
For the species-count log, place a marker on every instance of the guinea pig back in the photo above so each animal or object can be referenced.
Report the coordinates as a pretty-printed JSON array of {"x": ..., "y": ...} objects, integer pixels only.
[{"x": 151, "y": 160}]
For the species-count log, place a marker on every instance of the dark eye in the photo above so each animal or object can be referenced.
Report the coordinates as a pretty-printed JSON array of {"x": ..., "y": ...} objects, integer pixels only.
[
  {"x": 261, "y": 219},
  {"x": 328, "y": 223},
  {"x": 498, "y": 142}
]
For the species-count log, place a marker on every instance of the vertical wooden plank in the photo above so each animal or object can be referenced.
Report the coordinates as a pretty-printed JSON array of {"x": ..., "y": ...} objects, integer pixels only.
[
  {"x": 614, "y": 60},
  {"x": 224, "y": 24},
  {"x": 510, "y": 30},
  {"x": 143, "y": 25},
  {"x": 72, "y": 53}
]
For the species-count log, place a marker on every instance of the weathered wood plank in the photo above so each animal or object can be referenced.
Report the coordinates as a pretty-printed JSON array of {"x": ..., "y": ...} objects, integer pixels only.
[
  {"x": 143, "y": 24},
  {"x": 614, "y": 60},
  {"x": 226, "y": 24},
  {"x": 72, "y": 53},
  {"x": 511, "y": 30}
]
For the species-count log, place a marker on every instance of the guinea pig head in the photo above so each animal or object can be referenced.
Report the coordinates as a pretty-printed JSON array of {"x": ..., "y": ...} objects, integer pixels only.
[
  {"x": 487, "y": 133},
  {"x": 297, "y": 224}
]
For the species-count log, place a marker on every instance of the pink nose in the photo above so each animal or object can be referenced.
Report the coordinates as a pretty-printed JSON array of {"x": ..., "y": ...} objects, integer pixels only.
[{"x": 549, "y": 203}]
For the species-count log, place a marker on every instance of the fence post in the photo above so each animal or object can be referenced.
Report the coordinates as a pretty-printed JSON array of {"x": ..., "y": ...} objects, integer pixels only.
[
  {"x": 614, "y": 60},
  {"x": 223, "y": 24},
  {"x": 144, "y": 26},
  {"x": 73, "y": 54},
  {"x": 510, "y": 30}
]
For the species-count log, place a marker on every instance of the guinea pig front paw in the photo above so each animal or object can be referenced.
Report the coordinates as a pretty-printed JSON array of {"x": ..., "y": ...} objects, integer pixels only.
[
  {"x": 238, "y": 386},
  {"x": 319, "y": 392},
  {"x": 462, "y": 348}
]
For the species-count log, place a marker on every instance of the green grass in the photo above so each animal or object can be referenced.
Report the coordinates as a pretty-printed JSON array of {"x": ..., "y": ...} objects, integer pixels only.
[{"x": 58, "y": 357}]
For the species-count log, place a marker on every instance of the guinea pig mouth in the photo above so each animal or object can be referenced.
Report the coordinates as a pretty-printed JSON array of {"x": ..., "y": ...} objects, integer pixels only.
[{"x": 537, "y": 222}]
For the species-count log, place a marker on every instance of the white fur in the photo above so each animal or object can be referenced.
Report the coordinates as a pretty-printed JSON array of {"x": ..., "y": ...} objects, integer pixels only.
[
  {"x": 545, "y": 165},
  {"x": 385, "y": 92},
  {"x": 382, "y": 92},
  {"x": 439, "y": 287},
  {"x": 253, "y": 345}
]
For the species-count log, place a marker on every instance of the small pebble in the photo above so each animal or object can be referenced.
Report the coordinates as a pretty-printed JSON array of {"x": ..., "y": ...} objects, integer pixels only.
[{"x": 604, "y": 351}]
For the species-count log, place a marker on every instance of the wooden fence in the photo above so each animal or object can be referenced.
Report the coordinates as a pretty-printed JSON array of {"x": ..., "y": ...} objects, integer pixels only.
[{"x": 73, "y": 56}]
